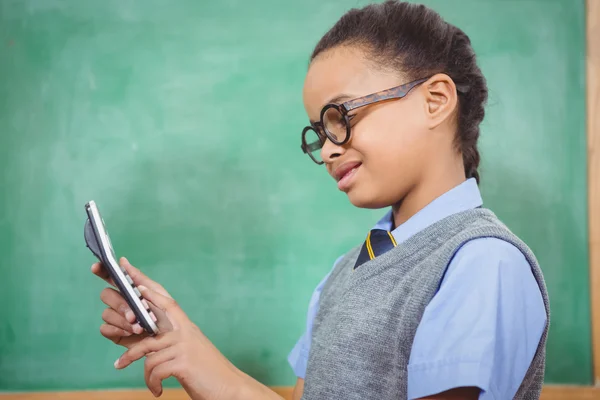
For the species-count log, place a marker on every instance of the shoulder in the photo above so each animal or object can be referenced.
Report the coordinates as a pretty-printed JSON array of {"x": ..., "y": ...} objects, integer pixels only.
[
  {"x": 493, "y": 252},
  {"x": 490, "y": 265},
  {"x": 478, "y": 234},
  {"x": 488, "y": 261}
]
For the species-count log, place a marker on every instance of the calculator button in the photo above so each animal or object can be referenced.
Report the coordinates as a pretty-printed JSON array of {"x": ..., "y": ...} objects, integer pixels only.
[
  {"x": 129, "y": 279},
  {"x": 137, "y": 292}
]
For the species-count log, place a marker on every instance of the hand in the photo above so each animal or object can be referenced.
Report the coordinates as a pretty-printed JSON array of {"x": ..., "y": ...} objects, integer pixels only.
[
  {"x": 120, "y": 326},
  {"x": 185, "y": 353}
]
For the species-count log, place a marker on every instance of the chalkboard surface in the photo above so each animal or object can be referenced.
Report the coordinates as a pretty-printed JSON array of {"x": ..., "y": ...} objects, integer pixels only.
[{"x": 182, "y": 121}]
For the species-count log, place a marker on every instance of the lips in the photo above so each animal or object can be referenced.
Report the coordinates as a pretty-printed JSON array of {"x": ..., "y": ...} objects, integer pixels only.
[{"x": 344, "y": 169}]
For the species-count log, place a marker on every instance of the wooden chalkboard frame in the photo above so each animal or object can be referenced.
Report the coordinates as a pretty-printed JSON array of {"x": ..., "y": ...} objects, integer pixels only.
[
  {"x": 550, "y": 392},
  {"x": 593, "y": 155}
]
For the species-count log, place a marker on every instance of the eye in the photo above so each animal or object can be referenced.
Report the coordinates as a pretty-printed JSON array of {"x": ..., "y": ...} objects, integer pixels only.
[{"x": 333, "y": 118}]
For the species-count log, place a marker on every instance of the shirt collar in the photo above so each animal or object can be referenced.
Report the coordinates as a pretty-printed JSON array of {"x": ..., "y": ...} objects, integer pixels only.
[{"x": 463, "y": 197}]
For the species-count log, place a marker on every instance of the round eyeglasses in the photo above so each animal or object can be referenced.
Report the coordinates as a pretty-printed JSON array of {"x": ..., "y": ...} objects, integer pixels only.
[{"x": 334, "y": 121}]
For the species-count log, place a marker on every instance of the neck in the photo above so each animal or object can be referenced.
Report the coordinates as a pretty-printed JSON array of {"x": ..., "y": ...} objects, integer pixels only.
[{"x": 424, "y": 192}]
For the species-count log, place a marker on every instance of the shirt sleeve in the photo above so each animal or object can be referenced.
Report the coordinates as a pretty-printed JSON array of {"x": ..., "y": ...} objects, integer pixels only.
[
  {"x": 482, "y": 327},
  {"x": 298, "y": 357}
]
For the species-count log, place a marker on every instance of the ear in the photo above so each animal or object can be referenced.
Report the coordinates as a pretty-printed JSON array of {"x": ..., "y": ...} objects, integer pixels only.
[{"x": 441, "y": 100}]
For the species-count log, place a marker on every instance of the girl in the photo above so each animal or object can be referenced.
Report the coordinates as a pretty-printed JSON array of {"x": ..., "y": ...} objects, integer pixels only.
[{"x": 441, "y": 301}]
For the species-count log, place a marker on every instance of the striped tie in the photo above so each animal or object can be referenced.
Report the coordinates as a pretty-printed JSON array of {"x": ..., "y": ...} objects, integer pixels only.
[{"x": 378, "y": 242}]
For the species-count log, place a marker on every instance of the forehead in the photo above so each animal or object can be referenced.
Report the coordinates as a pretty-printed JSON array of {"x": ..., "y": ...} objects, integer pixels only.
[{"x": 341, "y": 71}]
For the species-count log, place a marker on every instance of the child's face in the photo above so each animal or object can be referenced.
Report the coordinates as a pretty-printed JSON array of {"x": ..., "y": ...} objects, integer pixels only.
[{"x": 389, "y": 143}]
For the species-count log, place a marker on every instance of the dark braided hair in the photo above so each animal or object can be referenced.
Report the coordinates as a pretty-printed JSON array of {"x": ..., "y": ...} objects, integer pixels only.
[{"x": 416, "y": 41}]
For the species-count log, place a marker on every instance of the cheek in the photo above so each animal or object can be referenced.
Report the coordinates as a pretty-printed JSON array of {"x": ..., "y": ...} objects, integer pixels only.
[
  {"x": 393, "y": 146},
  {"x": 390, "y": 136}
]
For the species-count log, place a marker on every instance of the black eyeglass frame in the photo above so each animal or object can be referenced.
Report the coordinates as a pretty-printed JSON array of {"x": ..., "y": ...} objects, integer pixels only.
[{"x": 397, "y": 92}]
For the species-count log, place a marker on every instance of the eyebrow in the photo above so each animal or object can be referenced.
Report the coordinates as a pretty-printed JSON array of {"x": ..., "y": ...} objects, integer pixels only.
[{"x": 338, "y": 98}]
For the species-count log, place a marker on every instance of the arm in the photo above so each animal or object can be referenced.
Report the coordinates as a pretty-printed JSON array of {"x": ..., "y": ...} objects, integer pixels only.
[
  {"x": 483, "y": 326},
  {"x": 186, "y": 354},
  {"x": 121, "y": 329},
  {"x": 298, "y": 389},
  {"x": 171, "y": 355}
]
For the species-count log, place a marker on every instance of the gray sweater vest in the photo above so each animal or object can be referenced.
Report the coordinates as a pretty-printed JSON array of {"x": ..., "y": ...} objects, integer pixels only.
[{"x": 367, "y": 319}]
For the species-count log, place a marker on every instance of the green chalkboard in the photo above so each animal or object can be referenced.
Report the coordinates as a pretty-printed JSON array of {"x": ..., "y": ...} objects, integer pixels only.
[{"x": 182, "y": 120}]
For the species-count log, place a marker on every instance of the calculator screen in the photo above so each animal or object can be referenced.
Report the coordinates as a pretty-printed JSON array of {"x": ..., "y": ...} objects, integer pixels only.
[{"x": 108, "y": 239}]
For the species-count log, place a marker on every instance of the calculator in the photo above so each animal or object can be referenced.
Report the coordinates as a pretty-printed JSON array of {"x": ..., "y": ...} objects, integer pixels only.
[{"x": 98, "y": 241}]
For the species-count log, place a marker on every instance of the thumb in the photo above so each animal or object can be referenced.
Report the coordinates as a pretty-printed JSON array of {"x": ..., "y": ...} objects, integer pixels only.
[{"x": 167, "y": 305}]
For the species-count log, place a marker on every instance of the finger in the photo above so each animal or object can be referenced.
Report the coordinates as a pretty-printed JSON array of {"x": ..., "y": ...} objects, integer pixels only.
[
  {"x": 161, "y": 319},
  {"x": 154, "y": 360},
  {"x": 114, "y": 300},
  {"x": 166, "y": 304},
  {"x": 147, "y": 345},
  {"x": 113, "y": 333},
  {"x": 160, "y": 373},
  {"x": 113, "y": 318},
  {"x": 139, "y": 278},
  {"x": 101, "y": 272}
]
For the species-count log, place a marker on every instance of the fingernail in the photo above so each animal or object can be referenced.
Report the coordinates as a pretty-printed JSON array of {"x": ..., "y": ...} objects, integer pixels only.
[
  {"x": 153, "y": 317},
  {"x": 145, "y": 303},
  {"x": 142, "y": 288},
  {"x": 117, "y": 363},
  {"x": 138, "y": 329},
  {"x": 130, "y": 316}
]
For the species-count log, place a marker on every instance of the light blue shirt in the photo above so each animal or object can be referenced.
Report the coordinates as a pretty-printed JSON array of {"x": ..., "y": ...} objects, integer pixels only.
[{"x": 483, "y": 325}]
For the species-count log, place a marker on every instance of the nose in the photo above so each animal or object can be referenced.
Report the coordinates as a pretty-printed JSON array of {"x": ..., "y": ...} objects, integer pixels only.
[{"x": 330, "y": 151}]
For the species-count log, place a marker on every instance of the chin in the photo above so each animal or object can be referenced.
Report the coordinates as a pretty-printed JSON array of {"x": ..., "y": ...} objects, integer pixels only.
[{"x": 367, "y": 199}]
